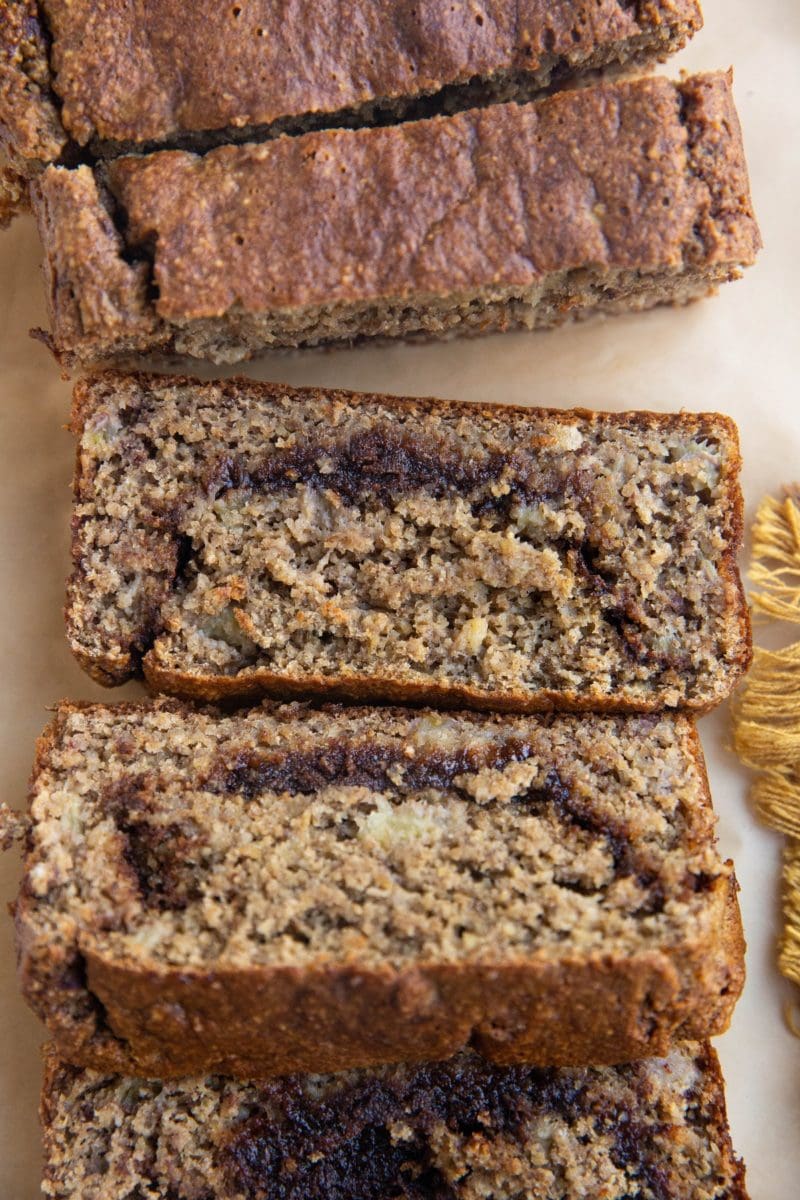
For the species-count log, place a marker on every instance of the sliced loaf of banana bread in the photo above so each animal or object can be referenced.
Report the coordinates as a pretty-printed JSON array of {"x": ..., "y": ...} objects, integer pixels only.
[
  {"x": 295, "y": 889},
  {"x": 607, "y": 198},
  {"x": 236, "y": 538},
  {"x": 457, "y": 1130}
]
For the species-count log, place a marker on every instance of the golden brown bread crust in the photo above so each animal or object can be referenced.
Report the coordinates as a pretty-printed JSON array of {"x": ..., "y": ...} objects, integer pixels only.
[
  {"x": 585, "y": 205},
  {"x": 270, "y": 1022},
  {"x": 92, "y": 251},
  {"x": 489, "y": 205},
  {"x": 74, "y": 75},
  {"x": 248, "y": 1022},
  {"x": 123, "y": 78},
  {"x": 249, "y": 683},
  {"x": 356, "y": 689},
  {"x": 256, "y": 1021},
  {"x": 251, "y": 67}
]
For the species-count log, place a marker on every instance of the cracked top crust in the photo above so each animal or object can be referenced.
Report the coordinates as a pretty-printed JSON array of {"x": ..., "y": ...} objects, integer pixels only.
[
  {"x": 122, "y": 77},
  {"x": 645, "y": 176},
  {"x": 614, "y": 176}
]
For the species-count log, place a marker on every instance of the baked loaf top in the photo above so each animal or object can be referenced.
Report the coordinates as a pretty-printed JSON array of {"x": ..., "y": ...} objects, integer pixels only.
[
  {"x": 237, "y": 537},
  {"x": 377, "y": 884},
  {"x": 116, "y": 73},
  {"x": 285, "y": 241},
  {"x": 457, "y": 1130}
]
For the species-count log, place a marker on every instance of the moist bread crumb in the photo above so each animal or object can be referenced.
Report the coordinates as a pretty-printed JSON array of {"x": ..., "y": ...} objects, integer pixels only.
[
  {"x": 13, "y": 193},
  {"x": 456, "y": 1130},
  {"x": 608, "y": 198},
  {"x": 232, "y": 538},
  {"x": 31, "y": 134},
  {"x": 378, "y": 885}
]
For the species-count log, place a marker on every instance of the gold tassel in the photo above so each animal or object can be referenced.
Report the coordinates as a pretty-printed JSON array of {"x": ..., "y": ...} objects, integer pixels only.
[
  {"x": 766, "y": 710},
  {"x": 789, "y": 960},
  {"x": 775, "y": 567}
]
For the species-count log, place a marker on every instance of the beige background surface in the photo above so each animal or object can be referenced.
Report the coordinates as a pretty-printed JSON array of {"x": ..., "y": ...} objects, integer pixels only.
[{"x": 739, "y": 354}]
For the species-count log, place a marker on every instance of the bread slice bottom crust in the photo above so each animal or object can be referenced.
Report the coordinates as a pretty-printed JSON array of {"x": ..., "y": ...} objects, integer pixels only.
[{"x": 575, "y": 924}]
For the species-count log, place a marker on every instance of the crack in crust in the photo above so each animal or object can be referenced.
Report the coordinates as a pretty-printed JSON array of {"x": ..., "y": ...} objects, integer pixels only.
[
  {"x": 643, "y": 216},
  {"x": 413, "y": 70}
]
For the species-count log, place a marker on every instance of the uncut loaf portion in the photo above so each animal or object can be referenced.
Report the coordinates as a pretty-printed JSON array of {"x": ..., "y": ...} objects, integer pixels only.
[
  {"x": 291, "y": 889},
  {"x": 457, "y": 1130},
  {"x": 81, "y": 78},
  {"x": 236, "y": 538},
  {"x": 608, "y": 198}
]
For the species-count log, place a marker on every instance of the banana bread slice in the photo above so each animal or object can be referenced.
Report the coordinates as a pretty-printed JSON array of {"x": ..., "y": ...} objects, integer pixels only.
[
  {"x": 457, "y": 1130},
  {"x": 606, "y": 198},
  {"x": 296, "y": 889},
  {"x": 242, "y": 538},
  {"x": 77, "y": 76}
]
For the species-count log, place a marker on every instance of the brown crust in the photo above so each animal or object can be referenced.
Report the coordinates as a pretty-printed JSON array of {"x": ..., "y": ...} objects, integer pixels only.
[
  {"x": 68, "y": 71},
  {"x": 249, "y": 69},
  {"x": 604, "y": 1010},
  {"x": 598, "y": 1008},
  {"x": 715, "y": 1087},
  {"x": 351, "y": 688},
  {"x": 114, "y": 669},
  {"x": 92, "y": 251},
  {"x": 562, "y": 212},
  {"x": 581, "y": 207},
  {"x": 232, "y": 71}
]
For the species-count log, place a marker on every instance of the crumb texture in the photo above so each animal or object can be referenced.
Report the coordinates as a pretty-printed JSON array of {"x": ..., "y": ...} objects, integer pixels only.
[
  {"x": 459, "y": 1130},
  {"x": 421, "y": 851},
  {"x": 13, "y": 192},
  {"x": 30, "y": 127},
  {"x": 238, "y": 537},
  {"x": 610, "y": 197}
]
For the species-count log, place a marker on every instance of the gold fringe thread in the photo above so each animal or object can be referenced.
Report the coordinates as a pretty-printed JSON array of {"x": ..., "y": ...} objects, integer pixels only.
[
  {"x": 789, "y": 959},
  {"x": 766, "y": 709},
  {"x": 775, "y": 565}
]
